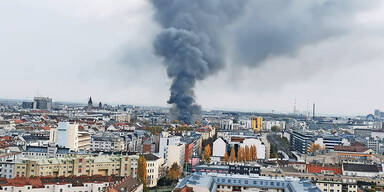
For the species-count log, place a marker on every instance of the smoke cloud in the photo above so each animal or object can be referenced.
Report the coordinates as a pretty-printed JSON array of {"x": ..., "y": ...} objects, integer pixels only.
[
  {"x": 190, "y": 45},
  {"x": 196, "y": 37},
  {"x": 273, "y": 28}
]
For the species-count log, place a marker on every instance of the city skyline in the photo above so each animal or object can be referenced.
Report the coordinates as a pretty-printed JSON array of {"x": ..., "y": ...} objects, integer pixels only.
[{"x": 77, "y": 50}]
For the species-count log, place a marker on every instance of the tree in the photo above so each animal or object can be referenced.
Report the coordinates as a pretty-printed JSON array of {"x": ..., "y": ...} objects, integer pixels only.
[
  {"x": 207, "y": 153},
  {"x": 232, "y": 156},
  {"x": 253, "y": 153},
  {"x": 314, "y": 147},
  {"x": 142, "y": 170},
  {"x": 240, "y": 154},
  {"x": 276, "y": 128},
  {"x": 174, "y": 172},
  {"x": 247, "y": 153},
  {"x": 155, "y": 130},
  {"x": 226, "y": 158},
  {"x": 273, "y": 152}
]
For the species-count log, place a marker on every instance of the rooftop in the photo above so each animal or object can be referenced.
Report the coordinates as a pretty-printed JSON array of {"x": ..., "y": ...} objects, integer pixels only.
[{"x": 361, "y": 168}]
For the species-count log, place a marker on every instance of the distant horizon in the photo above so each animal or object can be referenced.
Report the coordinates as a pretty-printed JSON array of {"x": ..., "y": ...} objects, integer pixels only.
[{"x": 205, "y": 109}]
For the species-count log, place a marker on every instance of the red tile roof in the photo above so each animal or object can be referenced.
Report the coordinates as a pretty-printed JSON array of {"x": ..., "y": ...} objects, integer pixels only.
[{"x": 319, "y": 169}]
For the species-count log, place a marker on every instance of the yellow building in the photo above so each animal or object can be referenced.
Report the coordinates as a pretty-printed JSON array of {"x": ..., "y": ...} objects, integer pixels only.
[
  {"x": 256, "y": 123},
  {"x": 77, "y": 165},
  {"x": 84, "y": 141}
]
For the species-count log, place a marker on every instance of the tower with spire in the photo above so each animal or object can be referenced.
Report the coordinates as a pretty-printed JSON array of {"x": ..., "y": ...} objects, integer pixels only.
[{"x": 90, "y": 104}]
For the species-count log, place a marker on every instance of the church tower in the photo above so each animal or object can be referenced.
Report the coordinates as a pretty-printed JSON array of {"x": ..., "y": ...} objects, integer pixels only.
[{"x": 90, "y": 103}]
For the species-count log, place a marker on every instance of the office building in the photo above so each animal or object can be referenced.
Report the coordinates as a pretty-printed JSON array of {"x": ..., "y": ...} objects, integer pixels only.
[
  {"x": 300, "y": 141},
  {"x": 257, "y": 123},
  {"x": 42, "y": 103},
  {"x": 27, "y": 105}
]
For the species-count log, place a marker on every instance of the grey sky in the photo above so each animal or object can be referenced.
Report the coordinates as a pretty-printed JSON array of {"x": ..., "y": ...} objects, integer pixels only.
[{"x": 72, "y": 49}]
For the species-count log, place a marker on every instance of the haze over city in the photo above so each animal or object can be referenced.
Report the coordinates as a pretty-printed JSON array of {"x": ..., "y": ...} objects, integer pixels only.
[
  {"x": 70, "y": 50},
  {"x": 191, "y": 96}
]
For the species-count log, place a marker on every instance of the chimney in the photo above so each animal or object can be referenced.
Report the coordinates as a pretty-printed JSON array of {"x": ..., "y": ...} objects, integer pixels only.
[{"x": 314, "y": 110}]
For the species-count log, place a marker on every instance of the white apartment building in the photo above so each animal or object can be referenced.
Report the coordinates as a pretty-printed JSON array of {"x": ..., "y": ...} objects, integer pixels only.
[
  {"x": 260, "y": 147},
  {"x": 106, "y": 142},
  {"x": 165, "y": 141},
  {"x": 329, "y": 186},
  {"x": 65, "y": 135},
  {"x": 7, "y": 169},
  {"x": 175, "y": 154},
  {"x": 226, "y": 124},
  {"x": 219, "y": 147},
  {"x": 267, "y": 125},
  {"x": 154, "y": 164}
]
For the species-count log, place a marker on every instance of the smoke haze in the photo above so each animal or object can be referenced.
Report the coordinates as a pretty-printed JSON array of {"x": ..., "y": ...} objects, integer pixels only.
[{"x": 190, "y": 45}]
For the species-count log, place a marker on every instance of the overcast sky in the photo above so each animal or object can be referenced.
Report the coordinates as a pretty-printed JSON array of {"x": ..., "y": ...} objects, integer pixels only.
[{"x": 70, "y": 50}]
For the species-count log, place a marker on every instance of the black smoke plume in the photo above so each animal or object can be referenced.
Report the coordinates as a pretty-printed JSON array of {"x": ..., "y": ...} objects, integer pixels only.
[
  {"x": 194, "y": 34},
  {"x": 190, "y": 46}
]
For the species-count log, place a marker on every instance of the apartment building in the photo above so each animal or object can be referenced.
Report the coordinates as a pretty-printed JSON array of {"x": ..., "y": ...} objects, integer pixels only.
[
  {"x": 68, "y": 184},
  {"x": 107, "y": 142},
  {"x": 329, "y": 186},
  {"x": 67, "y": 135},
  {"x": 84, "y": 141},
  {"x": 154, "y": 164},
  {"x": 76, "y": 165},
  {"x": 216, "y": 182},
  {"x": 176, "y": 154}
]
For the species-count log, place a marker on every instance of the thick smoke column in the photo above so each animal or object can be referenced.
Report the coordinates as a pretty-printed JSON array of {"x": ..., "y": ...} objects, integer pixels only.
[{"x": 190, "y": 46}]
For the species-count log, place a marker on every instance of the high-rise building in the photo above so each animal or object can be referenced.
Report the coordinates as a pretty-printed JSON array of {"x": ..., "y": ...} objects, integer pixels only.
[
  {"x": 66, "y": 135},
  {"x": 27, "y": 105},
  {"x": 257, "y": 123},
  {"x": 42, "y": 103}
]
